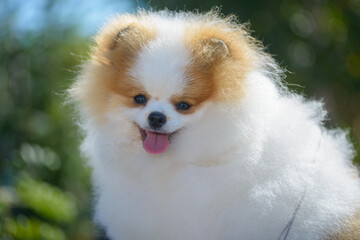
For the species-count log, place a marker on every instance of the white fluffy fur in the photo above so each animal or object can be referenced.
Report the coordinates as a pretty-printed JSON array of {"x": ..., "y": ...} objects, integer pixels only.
[{"x": 235, "y": 170}]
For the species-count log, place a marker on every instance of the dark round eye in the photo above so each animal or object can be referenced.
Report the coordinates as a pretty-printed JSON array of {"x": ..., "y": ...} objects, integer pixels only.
[
  {"x": 182, "y": 106},
  {"x": 140, "y": 99}
]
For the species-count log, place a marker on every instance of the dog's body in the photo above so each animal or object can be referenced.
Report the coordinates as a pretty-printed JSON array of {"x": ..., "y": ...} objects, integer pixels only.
[{"x": 229, "y": 153}]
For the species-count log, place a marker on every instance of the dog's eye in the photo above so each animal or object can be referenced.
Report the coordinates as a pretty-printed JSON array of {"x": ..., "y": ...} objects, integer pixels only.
[
  {"x": 140, "y": 99},
  {"x": 182, "y": 106}
]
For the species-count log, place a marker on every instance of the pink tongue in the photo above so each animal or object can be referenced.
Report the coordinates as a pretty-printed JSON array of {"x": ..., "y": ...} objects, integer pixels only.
[{"x": 156, "y": 143}]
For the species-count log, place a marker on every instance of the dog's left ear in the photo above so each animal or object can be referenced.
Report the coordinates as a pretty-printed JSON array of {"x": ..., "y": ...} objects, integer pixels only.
[
  {"x": 216, "y": 47},
  {"x": 208, "y": 51}
]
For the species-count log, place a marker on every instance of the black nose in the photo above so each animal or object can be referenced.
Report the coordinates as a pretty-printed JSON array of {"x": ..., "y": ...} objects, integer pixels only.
[{"x": 156, "y": 119}]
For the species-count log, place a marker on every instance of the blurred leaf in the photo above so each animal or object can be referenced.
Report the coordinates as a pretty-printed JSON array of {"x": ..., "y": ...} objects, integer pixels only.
[
  {"x": 34, "y": 154},
  {"x": 46, "y": 200},
  {"x": 24, "y": 228}
]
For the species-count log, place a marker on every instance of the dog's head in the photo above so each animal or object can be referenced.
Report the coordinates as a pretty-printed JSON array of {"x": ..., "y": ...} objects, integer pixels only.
[{"x": 163, "y": 76}]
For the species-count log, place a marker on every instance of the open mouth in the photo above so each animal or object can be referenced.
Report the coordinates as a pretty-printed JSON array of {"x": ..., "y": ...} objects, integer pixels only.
[{"x": 154, "y": 142}]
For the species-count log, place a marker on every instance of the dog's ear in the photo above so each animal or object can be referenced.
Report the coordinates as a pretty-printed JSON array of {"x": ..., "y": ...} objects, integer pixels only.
[
  {"x": 131, "y": 38},
  {"x": 216, "y": 47},
  {"x": 121, "y": 46},
  {"x": 209, "y": 51}
]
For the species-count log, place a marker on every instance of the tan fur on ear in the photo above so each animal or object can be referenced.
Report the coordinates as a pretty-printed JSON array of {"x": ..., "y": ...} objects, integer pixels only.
[
  {"x": 120, "y": 45},
  {"x": 209, "y": 51},
  {"x": 222, "y": 55},
  {"x": 128, "y": 43}
]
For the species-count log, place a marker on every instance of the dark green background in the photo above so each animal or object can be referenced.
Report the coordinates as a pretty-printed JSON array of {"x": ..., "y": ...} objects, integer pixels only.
[{"x": 44, "y": 182}]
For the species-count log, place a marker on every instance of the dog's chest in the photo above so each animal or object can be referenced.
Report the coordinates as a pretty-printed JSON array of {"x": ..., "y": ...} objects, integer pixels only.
[{"x": 202, "y": 204}]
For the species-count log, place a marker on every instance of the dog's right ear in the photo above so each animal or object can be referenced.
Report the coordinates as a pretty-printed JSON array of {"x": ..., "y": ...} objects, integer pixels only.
[
  {"x": 131, "y": 38},
  {"x": 120, "y": 46}
]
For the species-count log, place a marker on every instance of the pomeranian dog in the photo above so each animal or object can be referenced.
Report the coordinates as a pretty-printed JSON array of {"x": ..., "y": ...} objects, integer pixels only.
[{"x": 192, "y": 135}]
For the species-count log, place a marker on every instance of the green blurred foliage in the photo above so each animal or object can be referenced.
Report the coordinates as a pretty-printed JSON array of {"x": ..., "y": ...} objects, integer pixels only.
[
  {"x": 44, "y": 183},
  {"x": 24, "y": 228},
  {"x": 48, "y": 201}
]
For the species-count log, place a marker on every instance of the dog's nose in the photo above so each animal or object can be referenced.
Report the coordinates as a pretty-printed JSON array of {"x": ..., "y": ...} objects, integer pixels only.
[{"x": 156, "y": 120}]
